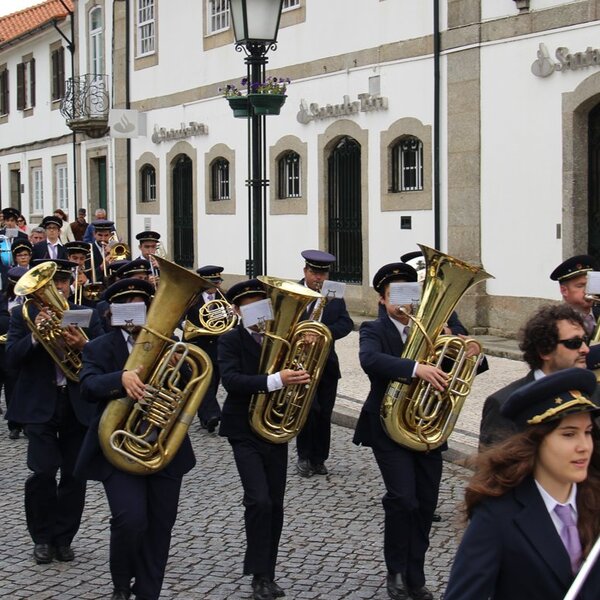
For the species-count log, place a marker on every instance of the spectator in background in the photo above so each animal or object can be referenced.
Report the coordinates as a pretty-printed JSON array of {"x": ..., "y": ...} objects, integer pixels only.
[
  {"x": 79, "y": 225},
  {"x": 99, "y": 215},
  {"x": 66, "y": 233},
  {"x": 22, "y": 225},
  {"x": 38, "y": 234}
]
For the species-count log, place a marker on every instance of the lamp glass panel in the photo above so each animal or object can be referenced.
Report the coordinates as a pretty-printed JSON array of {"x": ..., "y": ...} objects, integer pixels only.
[{"x": 262, "y": 19}]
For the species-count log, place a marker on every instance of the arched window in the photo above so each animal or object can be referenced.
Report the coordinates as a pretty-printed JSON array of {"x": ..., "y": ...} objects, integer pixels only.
[
  {"x": 288, "y": 168},
  {"x": 96, "y": 47},
  {"x": 219, "y": 180},
  {"x": 148, "y": 183},
  {"x": 407, "y": 165}
]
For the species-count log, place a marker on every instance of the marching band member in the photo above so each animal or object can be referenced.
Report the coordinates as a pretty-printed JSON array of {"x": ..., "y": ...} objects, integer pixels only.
[
  {"x": 79, "y": 253},
  {"x": 209, "y": 413},
  {"x": 21, "y": 250},
  {"x": 262, "y": 465},
  {"x": 143, "y": 507},
  {"x": 49, "y": 406},
  {"x": 51, "y": 247},
  {"x": 102, "y": 231},
  {"x": 314, "y": 440},
  {"x": 148, "y": 244},
  {"x": 11, "y": 216},
  {"x": 534, "y": 500},
  {"x": 572, "y": 278},
  {"x": 411, "y": 478}
]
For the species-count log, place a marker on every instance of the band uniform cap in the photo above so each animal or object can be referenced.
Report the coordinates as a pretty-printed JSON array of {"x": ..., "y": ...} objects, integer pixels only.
[
  {"x": 77, "y": 247},
  {"x": 15, "y": 273},
  {"x": 211, "y": 272},
  {"x": 411, "y": 255},
  {"x": 103, "y": 225},
  {"x": 139, "y": 265},
  {"x": 397, "y": 271},
  {"x": 126, "y": 288},
  {"x": 10, "y": 213},
  {"x": 64, "y": 268},
  {"x": 114, "y": 266},
  {"x": 552, "y": 397},
  {"x": 250, "y": 287},
  {"x": 51, "y": 220},
  {"x": 318, "y": 260},
  {"x": 573, "y": 267},
  {"x": 20, "y": 244},
  {"x": 148, "y": 236}
]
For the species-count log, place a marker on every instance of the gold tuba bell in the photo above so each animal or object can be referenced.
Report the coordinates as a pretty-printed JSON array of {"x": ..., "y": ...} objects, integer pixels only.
[
  {"x": 279, "y": 416},
  {"x": 143, "y": 437},
  {"x": 416, "y": 415},
  {"x": 37, "y": 283}
]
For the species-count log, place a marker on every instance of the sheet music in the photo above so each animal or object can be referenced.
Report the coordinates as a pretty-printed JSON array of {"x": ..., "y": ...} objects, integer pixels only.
[
  {"x": 129, "y": 314},
  {"x": 333, "y": 289},
  {"x": 257, "y": 313},
  {"x": 403, "y": 293},
  {"x": 78, "y": 318},
  {"x": 593, "y": 282}
]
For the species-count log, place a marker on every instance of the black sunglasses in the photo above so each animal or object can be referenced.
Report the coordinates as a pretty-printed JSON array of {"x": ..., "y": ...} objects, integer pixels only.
[{"x": 574, "y": 343}]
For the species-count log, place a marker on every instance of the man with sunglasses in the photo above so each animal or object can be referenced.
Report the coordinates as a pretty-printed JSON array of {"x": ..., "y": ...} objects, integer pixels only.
[{"x": 553, "y": 339}]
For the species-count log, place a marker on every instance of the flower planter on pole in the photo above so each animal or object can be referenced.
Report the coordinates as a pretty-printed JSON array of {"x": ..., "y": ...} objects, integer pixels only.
[
  {"x": 267, "y": 104},
  {"x": 240, "y": 106}
]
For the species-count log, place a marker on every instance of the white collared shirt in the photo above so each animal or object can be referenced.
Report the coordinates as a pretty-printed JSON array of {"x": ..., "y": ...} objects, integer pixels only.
[
  {"x": 550, "y": 503},
  {"x": 403, "y": 330}
]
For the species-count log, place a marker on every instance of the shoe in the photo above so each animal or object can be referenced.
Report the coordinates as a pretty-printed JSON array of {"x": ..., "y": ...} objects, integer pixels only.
[
  {"x": 211, "y": 425},
  {"x": 319, "y": 469},
  {"x": 395, "y": 587},
  {"x": 13, "y": 434},
  {"x": 276, "y": 590},
  {"x": 436, "y": 518},
  {"x": 64, "y": 553},
  {"x": 304, "y": 467},
  {"x": 120, "y": 594},
  {"x": 420, "y": 594},
  {"x": 261, "y": 588},
  {"x": 42, "y": 553}
]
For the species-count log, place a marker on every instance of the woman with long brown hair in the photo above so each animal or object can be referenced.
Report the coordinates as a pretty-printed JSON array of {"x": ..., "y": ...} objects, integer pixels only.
[{"x": 534, "y": 501}]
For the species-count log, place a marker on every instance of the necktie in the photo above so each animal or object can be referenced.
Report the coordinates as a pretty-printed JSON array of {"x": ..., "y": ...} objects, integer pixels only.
[
  {"x": 569, "y": 535},
  {"x": 405, "y": 333},
  {"x": 590, "y": 323},
  {"x": 52, "y": 248},
  {"x": 130, "y": 343},
  {"x": 210, "y": 297},
  {"x": 257, "y": 337}
]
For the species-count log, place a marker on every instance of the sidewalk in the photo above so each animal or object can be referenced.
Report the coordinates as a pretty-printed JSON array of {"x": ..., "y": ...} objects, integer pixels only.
[{"x": 504, "y": 358}]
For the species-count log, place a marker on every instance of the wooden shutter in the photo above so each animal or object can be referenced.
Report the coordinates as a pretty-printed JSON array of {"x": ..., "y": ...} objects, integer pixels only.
[
  {"x": 4, "y": 98},
  {"x": 61, "y": 72},
  {"x": 54, "y": 61},
  {"x": 32, "y": 81},
  {"x": 20, "y": 86}
]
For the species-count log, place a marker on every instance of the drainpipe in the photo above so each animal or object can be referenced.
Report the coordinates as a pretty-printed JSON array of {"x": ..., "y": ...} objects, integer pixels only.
[
  {"x": 128, "y": 106},
  {"x": 436, "y": 123}
]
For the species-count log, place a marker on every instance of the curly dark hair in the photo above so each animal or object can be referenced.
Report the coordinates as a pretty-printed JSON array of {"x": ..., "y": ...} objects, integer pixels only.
[{"x": 540, "y": 334}]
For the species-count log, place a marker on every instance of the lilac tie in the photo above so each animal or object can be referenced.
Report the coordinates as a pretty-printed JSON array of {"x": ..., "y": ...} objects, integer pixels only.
[
  {"x": 589, "y": 323},
  {"x": 257, "y": 337},
  {"x": 569, "y": 535}
]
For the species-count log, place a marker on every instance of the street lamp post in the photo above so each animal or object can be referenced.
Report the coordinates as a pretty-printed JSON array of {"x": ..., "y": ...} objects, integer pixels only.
[{"x": 255, "y": 26}]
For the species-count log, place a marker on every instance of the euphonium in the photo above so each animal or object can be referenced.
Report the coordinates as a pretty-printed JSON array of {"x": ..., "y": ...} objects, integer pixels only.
[
  {"x": 215, "y": 317},
  {"x": 279, "y": 416},
  {"x": 143, "y": 437},
  {"x": 415, "y": 415},
  {"x": 38, "y": 285}
]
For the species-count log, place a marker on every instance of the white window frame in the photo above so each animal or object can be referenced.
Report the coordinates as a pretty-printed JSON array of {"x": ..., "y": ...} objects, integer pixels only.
[
  {"x": 37, "y": 191},
  {"x": 218, "y": 16},
  {"x": 146, "y": 27},
  {"x": 61, "y": 174},
  {"x": 148, "y": 183},
  {"x": 96, "y": 46},
  {"x": 404, "y": 170},
  {"x": 290, "y": 5}
]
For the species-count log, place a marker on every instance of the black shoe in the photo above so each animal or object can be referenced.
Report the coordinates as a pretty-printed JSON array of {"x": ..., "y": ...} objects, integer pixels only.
[
  {"x": 304, "y": 467},
  {"x": 120, "y": 594},
  {"x": 276, "y": 590},
  {"x": 420, "y": 593},
  {"x": 395, "y": 587},
  {"x": 13, "y": 434},
  {"x": 211, "y": 424},
  {"x": 436, "y": 518},
  {"x": 319, "y": 469},
  {"x": 42, "y": 553},
  {"x": 64, "y": 553},
  {"x": 261, "y": 588}
]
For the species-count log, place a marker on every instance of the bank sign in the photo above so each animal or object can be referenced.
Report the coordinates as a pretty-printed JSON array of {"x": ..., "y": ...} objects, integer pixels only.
[{"x": 544, "y": 66}]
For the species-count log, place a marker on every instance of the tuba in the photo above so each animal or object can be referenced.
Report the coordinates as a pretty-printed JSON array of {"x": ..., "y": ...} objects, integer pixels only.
[
  {"x": 38, "y": 285},
  {"x": 143, "y": 437},
  {"x": 416, "y": 415},
  {"x": 279, "y": 416},
  {"x": 215, "y": 317}
]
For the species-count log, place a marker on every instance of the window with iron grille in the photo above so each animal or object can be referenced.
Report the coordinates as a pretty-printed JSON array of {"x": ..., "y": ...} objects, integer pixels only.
[
  {"x": 407, "y": 165},
  {"x": 37, "y": 192},
  {"x": 57, "y": 60},
  {"x": 218, "y": 15},
  {"x": 4, "y": 105},
  {"x": 148, "y": 183},
  {"x": 289, "y": 175},
  {"x": 290, "y": 4},
  {"x": 62, "y": 187},
  {"x": 26, "y": 84},
  {"x": 219, "y": 180},
  {"x": 146, "y": 27}
]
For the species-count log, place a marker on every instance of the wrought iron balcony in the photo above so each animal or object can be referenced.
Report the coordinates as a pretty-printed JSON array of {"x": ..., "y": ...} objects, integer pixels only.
[{"x": 86, "y": 103}]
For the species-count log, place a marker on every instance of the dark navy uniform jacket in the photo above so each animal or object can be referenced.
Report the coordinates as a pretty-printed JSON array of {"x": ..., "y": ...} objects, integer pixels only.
[
  {"x": 40, "y": 250},
  {"x": 511, "y": 550},
  {"x": 103, "y": 362},
  {"x": 37, "y": 370},
  {"x": 239, "y": 357}
]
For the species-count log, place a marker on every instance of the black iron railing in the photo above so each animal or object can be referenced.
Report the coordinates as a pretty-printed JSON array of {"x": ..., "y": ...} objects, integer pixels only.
[{"x": 86, "y": 104}]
